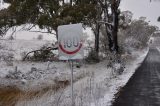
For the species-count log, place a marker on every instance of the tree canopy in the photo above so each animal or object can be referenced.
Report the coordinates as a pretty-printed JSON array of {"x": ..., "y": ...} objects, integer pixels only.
[
  {"x": 50, "y": 14},
  {"x": 47, "y": 13}
]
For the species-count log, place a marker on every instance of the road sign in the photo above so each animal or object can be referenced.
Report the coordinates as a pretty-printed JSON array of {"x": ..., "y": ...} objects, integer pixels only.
[{"x": 70, "y": 42}]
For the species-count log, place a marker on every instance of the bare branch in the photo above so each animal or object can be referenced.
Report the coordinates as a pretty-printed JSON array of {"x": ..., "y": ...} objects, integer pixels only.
[
  {"x": 101, "y": 3},
  {"x": 27, "y": 28},
  {"x": 103, "y": 22},
  {"x": 44, "y": 32},
  {"x": 14, "y": 30},
  {"x": 49, "y": 49}
]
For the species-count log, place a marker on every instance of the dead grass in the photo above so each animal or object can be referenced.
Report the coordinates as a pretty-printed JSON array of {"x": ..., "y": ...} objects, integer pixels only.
[{"x": 9, "y": 96}]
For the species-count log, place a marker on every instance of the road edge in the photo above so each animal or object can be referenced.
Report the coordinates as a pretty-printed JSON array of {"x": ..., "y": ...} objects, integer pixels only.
[{"x": 132, "y": 69}]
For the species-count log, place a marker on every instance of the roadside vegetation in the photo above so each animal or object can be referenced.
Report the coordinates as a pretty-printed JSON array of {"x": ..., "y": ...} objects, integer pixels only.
[{"x": 32, "y": 75}]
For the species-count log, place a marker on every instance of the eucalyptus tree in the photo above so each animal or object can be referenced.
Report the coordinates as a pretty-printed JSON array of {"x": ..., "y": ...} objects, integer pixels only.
[
  {"x": 49, "y": 14},
  {"x": 111, "y": 14}
]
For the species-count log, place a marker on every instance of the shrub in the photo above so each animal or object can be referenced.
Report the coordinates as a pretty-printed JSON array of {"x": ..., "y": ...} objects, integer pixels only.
[
  {"x": 11, "y": 37},
  {"x": 40, "y": 37},
  {"x": 43, "y": 54},
  {"x": 92, "y": 57},
  {"x": 140, "y": 32}
]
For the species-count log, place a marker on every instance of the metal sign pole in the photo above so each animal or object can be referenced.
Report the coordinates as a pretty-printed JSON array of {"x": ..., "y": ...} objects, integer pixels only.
[{"x": 72, "y": 83}]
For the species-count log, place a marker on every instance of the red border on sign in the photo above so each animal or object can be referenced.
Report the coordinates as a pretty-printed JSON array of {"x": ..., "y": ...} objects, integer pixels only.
[{"x": 70, "y": 52}]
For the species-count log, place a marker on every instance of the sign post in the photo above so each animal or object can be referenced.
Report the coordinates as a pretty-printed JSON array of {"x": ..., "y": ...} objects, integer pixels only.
[
  {"x": 70, "y": 46},
  {"x": 72, "y": 83}
]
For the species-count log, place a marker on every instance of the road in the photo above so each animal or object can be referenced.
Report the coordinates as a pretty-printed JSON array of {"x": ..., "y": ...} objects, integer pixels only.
[{"x": 143, "y": 89}]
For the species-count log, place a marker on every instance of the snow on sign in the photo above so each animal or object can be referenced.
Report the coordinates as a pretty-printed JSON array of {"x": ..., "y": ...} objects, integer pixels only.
[{"x": 70, "y": 43}]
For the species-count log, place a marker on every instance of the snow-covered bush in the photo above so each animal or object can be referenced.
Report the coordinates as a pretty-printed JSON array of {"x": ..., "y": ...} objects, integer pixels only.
[
  {"x": 43, "y": 54},
  {"x": 1, "y": 46},
  {"x": 132, "y": 42},
  {"x": 125, "y": 19},
  {"x": 6, "y": 54},
  {"x": 40, "y": 37},
  {"x": 8, "y": 57},
  {"x": 15, "y": 75},
  {"x": 133, "y": 34},
  {"x": 11, "y": 37},
  {"x": 138, "y": 33},
  {"x": 23, "y": 54},
  {"x": 92, "y": 57}
]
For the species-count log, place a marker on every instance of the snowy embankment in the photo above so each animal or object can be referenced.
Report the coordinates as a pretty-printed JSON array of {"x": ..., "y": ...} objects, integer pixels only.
[
  {"x": 122, "y": 80},
  {"x": 94, "y": 85}
]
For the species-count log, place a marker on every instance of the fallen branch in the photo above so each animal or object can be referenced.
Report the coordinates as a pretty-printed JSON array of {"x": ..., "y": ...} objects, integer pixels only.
[{"x": 47, "y": 49}]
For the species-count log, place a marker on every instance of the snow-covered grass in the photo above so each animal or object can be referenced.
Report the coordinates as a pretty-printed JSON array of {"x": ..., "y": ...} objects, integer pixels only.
[
  {"x": 97, "y": 88},
  {"x": 3, "y": 5},
  {"x": 12, "y": 51},
  {"x": 94, "y": 85},
  {"x": 121, "y": 80},
  {"x": 18, "y": 47}
]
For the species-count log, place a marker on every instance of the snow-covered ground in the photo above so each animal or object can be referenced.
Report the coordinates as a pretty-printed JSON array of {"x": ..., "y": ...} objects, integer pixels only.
[
  {"x": 94, "y": 85},
  {"x": 18, "y": 47},
  {"x": 3, "y": 5},
  {"x": 11, "y": 51}
]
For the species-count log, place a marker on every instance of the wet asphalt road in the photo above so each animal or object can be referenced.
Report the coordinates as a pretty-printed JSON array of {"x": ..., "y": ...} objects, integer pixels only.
[{"x": 143, "y": 89}]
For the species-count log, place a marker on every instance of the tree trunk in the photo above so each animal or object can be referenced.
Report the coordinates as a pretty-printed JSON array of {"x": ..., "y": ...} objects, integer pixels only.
[
  {"x": 97, "y": 39},
  {"x": 115, "y": 31},
  {"x": 108, "y": 27},
  {"x": 56, "y": 34},
  {"x": 115, "y": 19},
  {"x": 110, "y": 39},
  {"x": 71, "y": 1}
]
